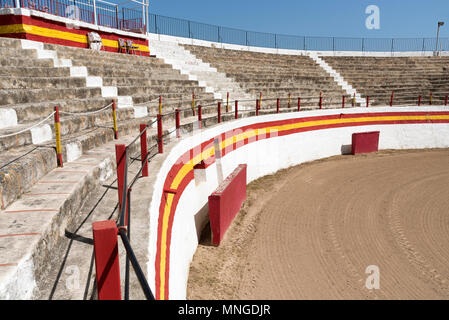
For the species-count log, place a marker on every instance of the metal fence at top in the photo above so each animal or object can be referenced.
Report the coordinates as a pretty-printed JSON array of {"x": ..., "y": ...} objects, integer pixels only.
[
  {"x": 121, "y": 16},
  {"x": 195, "y": 30}
]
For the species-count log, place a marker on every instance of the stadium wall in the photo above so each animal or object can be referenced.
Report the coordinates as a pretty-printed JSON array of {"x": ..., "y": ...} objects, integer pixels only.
[
  {"x": 178, "y": 211},
  {"x": 196, "y": 42},
  {"x": 47, "y": 28}
]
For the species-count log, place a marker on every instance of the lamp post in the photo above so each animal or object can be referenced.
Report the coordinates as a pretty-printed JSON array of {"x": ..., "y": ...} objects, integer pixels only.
[{"x": 440, "y": 24}]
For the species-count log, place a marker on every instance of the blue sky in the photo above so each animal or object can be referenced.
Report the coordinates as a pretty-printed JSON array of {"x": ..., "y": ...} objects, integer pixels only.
[{"x": 339, "y": 18}]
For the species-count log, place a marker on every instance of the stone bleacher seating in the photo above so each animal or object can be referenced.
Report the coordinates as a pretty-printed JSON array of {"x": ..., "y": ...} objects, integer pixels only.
[
  {"x": 33, "y": 87},
  {"x": 274, "y": 75},
  {"x": 408, "y": 77}
]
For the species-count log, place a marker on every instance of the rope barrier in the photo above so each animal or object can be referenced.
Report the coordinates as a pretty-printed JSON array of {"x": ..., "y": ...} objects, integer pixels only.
[{"x": 86, "y": 113}]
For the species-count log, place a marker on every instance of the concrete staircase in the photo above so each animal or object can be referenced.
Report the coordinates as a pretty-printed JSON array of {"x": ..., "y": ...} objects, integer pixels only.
[
  {"x": 208, "y": 77},
  {"x": 407, "y": 77},
  {"x": 274, "y": 75},
  {"x": 338, "y": 78}
]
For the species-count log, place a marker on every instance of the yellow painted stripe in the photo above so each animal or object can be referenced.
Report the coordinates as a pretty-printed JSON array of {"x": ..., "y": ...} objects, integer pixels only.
[
  {"x": 164, "y": 243},
  {"x": 251, "y": 133},
  {"x": 58, "y": 34}
]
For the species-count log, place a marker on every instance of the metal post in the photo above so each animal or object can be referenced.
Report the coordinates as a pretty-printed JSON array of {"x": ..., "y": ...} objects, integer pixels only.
[
  {"x": 178, "y": 124},
  {"x": 367, "y": 101},
  {"x": 193, "y": 104},
  {"x": 419, "y": 101},
  {"x": 17, "y": 3},
  {"x": 95, "y": 12},
  {"x": 219, "y": 113},
  {"x": 257, "y": 107},
  {"x": 160, "y": 104},
  {"x": 431, "y": 98},
  {"x": 343, "y": 101},
  {"x": 289, "y": 100},
  {"x": 321, "y": 100},
  {"x": 120, "y": 156},
  {"x": 438, "y": 35},
  {"x": 299, "y": 103},
  {"x": 445, "y": 101},
  {"x": 114, "y": 119},
  {"x": 160, "y": 141},
  {"x": 143, "y": 149},
  {"x": 278, "y": 102},
  {"x": 128, "y": 234},
  {"x": 200, "y": 116},
  {"x": 391, "y": 99},
  {"x": 227, "y": 102},
  {"x": 236, "y": 109},
  {"x": 58, "y": 138}
]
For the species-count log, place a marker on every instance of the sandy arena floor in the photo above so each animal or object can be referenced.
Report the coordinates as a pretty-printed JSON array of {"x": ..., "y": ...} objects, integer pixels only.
[{"x": 310, "y": 232}]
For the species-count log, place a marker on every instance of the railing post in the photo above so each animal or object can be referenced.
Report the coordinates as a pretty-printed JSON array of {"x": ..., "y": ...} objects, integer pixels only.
[
  {"x": 227, "y": 102},
  {"x": 178, "y": 124},
  {"x": 95, "y": 12},
  {"x": 343, "y": 101},
  {"x": 289, "y": 100},
  {"x": 299, "y": 103},
  {"x": 200, "y": 116},
  {"x": 219, "y": 113},
  {"x": 419, "y": 101},
  {"x": 445, "y": 101},
  {"x": 321, "y": 100},
  {"x": 160, "y": 141},
  {"x": 353, "y": 100},
  {"x": 236, "y": 109},
  {"x": 193, "y": 104},
  {"x": 391, "y": 99},
  {"x": 257, "y": 107},
  {"x": 17, "y": 3},
  {"x": 120, "y": 159},
  {"x": 160, "y": 104},
  {"x": 114, "y": 119},
  {"x": 260, "y": 100},
  {"x": 58, "y": 138},
  {"x": 107, "y": 260},
  {"x": 278, "y": 103},
  {"x": 367, "y": 101},
  {"x": 143, "y": 149}
]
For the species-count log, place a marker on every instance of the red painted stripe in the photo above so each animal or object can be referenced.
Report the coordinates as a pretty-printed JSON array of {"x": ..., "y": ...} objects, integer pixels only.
[
  {"x": 50, "y": 181},
  {"x": 46, "y": 194},
  {"x": 31, "y": 210},
  {"x": 19, "y": 234}
]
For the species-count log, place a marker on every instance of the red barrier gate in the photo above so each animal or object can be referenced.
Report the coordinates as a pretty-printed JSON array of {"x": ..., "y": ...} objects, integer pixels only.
[
  {"x": 365, "y": 142},
  {"x": 225, "y": 203},
  {"x": 107, "y": 260}
]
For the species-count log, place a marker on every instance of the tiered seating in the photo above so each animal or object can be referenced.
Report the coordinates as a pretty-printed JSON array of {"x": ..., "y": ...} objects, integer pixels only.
[
  {"x": 33, "y": 87},
  {"x": 274, "y": 75},
  {"x": 408, "y": 77}
]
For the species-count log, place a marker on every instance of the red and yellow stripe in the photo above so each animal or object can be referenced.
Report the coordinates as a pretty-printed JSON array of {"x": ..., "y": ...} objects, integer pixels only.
[
  {"x": 54, "y": 32},
  {"x": 181, "y": 173}
]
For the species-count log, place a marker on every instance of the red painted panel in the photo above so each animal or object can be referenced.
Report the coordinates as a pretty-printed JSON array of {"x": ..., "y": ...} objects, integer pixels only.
[
  {"x": 365, "y": 142},
  {"x": 106, "y": 260},
  {"x": 225, "y": 202}
]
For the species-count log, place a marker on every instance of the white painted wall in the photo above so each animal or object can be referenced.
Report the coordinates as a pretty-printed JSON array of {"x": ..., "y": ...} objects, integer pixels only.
[
  {"x": 266, "y": 157},
  {"x": 181, "y": 40}
]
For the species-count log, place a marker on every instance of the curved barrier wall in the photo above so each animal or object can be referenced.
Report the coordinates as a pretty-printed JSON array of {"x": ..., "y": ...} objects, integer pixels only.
[{"x": 268, "y": 143}]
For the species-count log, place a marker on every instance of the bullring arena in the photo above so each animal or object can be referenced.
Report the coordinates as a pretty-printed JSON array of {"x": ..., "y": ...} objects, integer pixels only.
[{"x": 227, "y": 167}]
